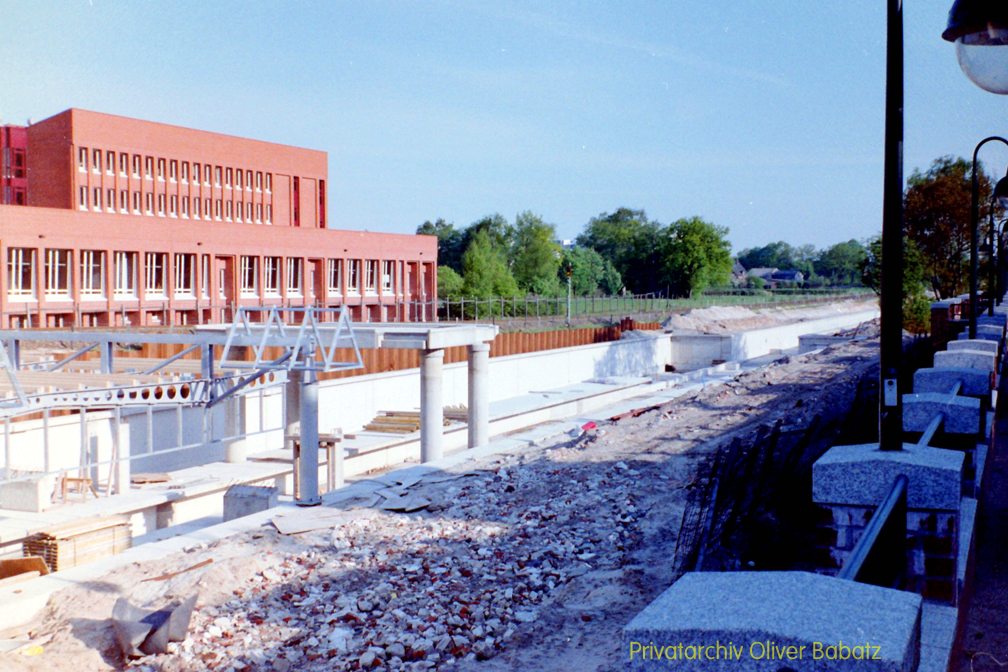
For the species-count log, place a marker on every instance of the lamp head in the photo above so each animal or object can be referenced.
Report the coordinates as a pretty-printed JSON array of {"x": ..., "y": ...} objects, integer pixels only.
[
  {"x": 1001, "y": 193},
  {"x": 979, "y": 29}
]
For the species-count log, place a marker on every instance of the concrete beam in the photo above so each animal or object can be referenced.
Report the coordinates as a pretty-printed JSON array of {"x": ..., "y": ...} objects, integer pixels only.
[
  {"x": 962, "y": 414},
  {"x": 975, "y": 382},
  {"x": 479, "y": 395},
  {"x": 967, "y": 359},
  {"x": 973, "y": 344},
  {"x": 431, "y": 405}
]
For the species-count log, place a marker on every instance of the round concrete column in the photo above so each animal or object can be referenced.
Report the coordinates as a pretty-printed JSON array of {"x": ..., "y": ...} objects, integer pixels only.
[
  {"x": 234, "y": 409},
  {"x": 431, "y": 406},
  {"x": 479, "y": 395},
  {"x": 309, "y": 465}
]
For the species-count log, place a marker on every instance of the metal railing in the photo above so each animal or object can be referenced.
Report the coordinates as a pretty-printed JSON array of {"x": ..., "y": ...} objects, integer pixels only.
[{"x": 879, "y": 557}]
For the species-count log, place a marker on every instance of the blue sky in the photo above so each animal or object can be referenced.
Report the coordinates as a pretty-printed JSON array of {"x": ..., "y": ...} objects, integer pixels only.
[{"x": 764, "y": 117}]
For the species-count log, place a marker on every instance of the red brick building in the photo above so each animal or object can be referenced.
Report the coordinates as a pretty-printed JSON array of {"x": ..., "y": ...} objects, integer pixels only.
[{"x": 134, "y": 222}]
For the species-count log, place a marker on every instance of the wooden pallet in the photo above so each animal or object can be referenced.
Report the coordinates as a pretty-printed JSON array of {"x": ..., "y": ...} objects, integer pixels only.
[{"x": 77, "y": 543}]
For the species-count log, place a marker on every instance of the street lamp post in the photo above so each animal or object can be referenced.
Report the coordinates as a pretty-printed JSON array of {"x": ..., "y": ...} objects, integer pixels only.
[
  {"x": 974, "y": 225},
  {"x": 980, "y": 31}
]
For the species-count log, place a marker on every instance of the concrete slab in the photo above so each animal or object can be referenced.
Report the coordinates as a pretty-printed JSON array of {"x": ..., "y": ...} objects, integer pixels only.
[
  {"x": 962, "y": 414},
  {"x": 938, "y": 625},
  {"x": 759, "y": 615},
  {"x": 965, "y": 359},
  {"x": 973, "y": 344},
  {"x": 862, "y": 475},
  {"x": 975, "y": 382}
]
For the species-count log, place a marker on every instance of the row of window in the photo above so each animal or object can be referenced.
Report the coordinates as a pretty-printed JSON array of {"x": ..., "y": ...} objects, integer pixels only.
[
  {"x": 277, "y": 272},
  {"x": 12, "y": 163},
  {"x": 174, "y": 206},
  {"x": 173, "y": 170}
]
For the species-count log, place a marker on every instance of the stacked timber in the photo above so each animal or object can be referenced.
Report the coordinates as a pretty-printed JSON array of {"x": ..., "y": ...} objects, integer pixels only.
[
  {"x": 80, "y": 542},
  {"x": 457, "y": 413},
  {"x": 399, "y": 422}
]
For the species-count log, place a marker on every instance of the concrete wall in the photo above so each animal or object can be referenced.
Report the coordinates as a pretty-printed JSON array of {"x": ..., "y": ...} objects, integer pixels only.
[{"x": 694, "y": 351}]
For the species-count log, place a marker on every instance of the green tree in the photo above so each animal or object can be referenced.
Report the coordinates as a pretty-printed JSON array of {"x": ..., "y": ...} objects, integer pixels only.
[
  {"x": 590, "y": 273},
  {"x": 497, "y": 228},
  {"x": 485, "y": 270},
  {"x": 779, "y": 255},
  {"x": 697, "y": 255},
  {"x": 451, "y": 242},
  {"x": 449, "y": 283},
  {"x": 916, "y": 307},
  {"x": 631, "y": 243},
  {"x": 535, "y": 255},
  {"x": 841, "y": 264},
  {"x": 936, "y": 217}
]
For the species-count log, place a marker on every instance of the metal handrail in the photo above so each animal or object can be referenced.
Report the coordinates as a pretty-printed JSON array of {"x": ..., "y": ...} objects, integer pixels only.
[{"x": 879, "y": 557}]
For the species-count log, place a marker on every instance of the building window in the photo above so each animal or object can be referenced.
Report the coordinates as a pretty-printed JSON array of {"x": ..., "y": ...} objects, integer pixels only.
[
  {"x": 173, "y": 206},
  {"x": 149, "y": 202},
  {"x": 149, "y": 167},
  {"x": 185, "y": 206},
  {"x": 217, "y": 176},
  {"x": 96, "y": 161},
  {"x": 81, "y": 159},
  {"x": 206, "y": 211},
  {"x": 82, "y": 197},
  {"x": 124, "y": 201},
  {"x": 294, "y": 276},
  {"x": 335, "y": 276},
  {"x": 228, "y": 210},
  {"x": 154, "y": 275},
  {"x": 205, "y": 276},
  {"x": 387, "y": 277},
  {"x": 160, "y": 204},
  {"x": 269, "y": 181},
  {"x": 196, "y": 208},
  {"x": 269, "y": 213},
  {"x": 173, "y": 170},
  {"x": 248, "y": 180},
  {"x": 239, "y": 210},
  {"x": 249, "y": 276},
  {"x": 321, "y": 204},
  {"x": 217, "y": 208},
  {"x": 136, "y": 202},
  {"x": 195, "y": 173},
  {"x": 21, "y": 272},
  {"x": 123, "y": 164},
  {"x": 161, "y": 169},
  {"x": 97, "y": 199},
  {"x": 110, "y": 163},
  {"x": 258, "y": 180},
  {"x": 271, "y": 276},
  {"x": 238, "y": 178},
  {"x": 136, "y": 165},
  {"x": 110, "y": 200},
  {"x": 371, "y": 279},
  {"x": 228, "y": 176},
  {"x": 92, "y": 282},
  {"x": 353, "y": 279},
  {"x": 185, "y": 171},
  {"x": 185, "y": 275},
  {"x": 206, "y": 175},
  {"x": 125, "y": 275},
  {"x": 57, "y": 269},
  {"x": 297, "y": 202},
  {"x": 258, "y": 212}
]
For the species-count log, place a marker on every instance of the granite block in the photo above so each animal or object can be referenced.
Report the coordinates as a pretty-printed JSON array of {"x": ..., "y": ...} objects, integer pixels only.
[
  {"x": 962, "y": 414},
  {"x": 243, "y": 500},
  {"x": 973, "y": 344},
  {"x": 975, "y": 382},
  {"x": 766, "y": 621},
  {"x": 965, "y": 359},
  {"x": 861, "y": 475}
]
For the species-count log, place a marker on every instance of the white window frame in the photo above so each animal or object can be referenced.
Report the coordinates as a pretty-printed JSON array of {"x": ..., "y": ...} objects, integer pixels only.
[
  {"x": 58, "y": 269},
  {"x": 161, "y": 205},
  {"x": 82, "y": 159},
  {"x": 96, "y": 199},
  {"x": 110, "y": 163},
  {"x": 96, "y": 161},
  {"x": 173, "y": 170},
  {"x": 271, "y": 276},
  {"x": 334, "y": 276},
  {"x": 185, "y": 172},
  {"x": 111, "y": 199},
  {"x": 124, "y": 286},
  {"x": 21, "y": 273},
  {"x": 155, "y": 282},
  {"x": 205, "y": 275},
  {"x": 161, "y": 170},
  {"x": 185, "y": 276},
  {"x": 92, "y": 267},
  {"x": 295, "y": 276},
  {"x": 82, "y": 199},
  {"x": 354, "y": 276},
  {"x": 249, "y": 276},
  {"x": 388, "y": 277},
  {"x": 371, "y": 276}
]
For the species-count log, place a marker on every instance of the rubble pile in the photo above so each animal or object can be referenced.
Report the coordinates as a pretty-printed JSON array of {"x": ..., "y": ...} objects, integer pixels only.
[{"x": 418, "y": 592}]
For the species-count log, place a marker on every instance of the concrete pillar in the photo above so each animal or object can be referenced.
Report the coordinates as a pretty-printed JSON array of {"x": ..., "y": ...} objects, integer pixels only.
[
  {"x": 234, "y": 421},
  {"x": 431, "y": 406},
  {"x": 479, "y": 395},
  {"x": 309, "y": 463}
]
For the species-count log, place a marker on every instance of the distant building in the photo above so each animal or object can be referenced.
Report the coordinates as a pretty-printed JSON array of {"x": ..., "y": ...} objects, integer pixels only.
[{"x": 141, "y": 223}]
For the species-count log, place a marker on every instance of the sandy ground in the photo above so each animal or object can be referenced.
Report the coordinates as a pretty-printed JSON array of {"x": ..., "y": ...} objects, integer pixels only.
[{"x": 531, "y": 559}]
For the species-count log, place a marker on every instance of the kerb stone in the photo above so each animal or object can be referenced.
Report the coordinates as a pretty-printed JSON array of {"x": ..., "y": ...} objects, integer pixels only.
[
  {"x": 861, "y": 475},
  {"x": 965, "y": 359},
  {"x": 765, "y": 621},
  {"x": 975, "y": 382},
  {"x": 962, "y": 414}
]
